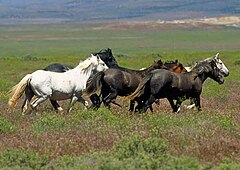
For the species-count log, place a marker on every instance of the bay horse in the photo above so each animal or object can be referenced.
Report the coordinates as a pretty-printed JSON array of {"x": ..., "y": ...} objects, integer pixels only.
[
  {"x": 104, "y": 54},
  {"x": 121, "y": 82},
  {"x": 56, "y": 86},
  {"x": 165, "y": 84}
]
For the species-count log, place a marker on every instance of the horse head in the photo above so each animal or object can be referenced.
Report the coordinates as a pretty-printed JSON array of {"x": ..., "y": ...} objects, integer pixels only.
[
  {"x": 98, "y": 64},
  {"x": 220, "y": 65},
  {"x": 207, "y": 69},
  {"x": 158, "y": 64},
  {"x": 216, "y": 73},
  {"x": 175, "y": 66},
  {"x": 107, "y": 57}
]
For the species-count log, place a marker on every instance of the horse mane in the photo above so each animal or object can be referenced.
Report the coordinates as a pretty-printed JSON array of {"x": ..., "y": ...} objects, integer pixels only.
[
  {"x": 84, "y": 65},
  {"x": 171, "y": 62},
  {"x": 108, "y": 50},
  {"x": 194, "y": 64},
  {"x": 201, "y": 66}
]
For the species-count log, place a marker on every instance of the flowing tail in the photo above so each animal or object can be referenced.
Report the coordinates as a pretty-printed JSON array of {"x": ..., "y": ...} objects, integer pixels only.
[
  {"x": 17, "y": 90},
  {"x": 94, "y": 84},
  {"x": 141, "y": 87}
]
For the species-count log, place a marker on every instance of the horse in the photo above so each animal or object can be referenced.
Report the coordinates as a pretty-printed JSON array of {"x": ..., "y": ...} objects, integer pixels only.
[
  {"x": 161, "y": 83},
  {"x": 56, "y": 86},
  {"x": 121, "y": 82},
  {"x": 105, "y": 55},
  {"x": 175, "y": 66},
  {"x": 223, "y": 70}
]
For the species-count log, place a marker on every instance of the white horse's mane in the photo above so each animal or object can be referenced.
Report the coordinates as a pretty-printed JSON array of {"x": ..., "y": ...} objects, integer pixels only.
[{"x": 83, "y": 65}]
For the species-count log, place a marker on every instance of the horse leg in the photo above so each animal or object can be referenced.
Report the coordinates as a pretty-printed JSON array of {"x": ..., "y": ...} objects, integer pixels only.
[
  {"x": 149, "y": 102},
  {"x": 157, "y": 101},
  {"x": 84, "y": 102},
  {"x": 132, "y": 103},
  {"x": 151, "y": 108},
  {"x": 38, "y": 101},
  {"x": 139, "y": 107},
  {"x": 192, "y": 104},
  {"x": 95, "y": 99},
  {"x": 55, "y": 105},
  {"x": 28, "y": 96},
  {"x": 197, "y": 103},
  {"x": 174, "y": 107},
  {"x": 72, "y": 102},
  {"x": 108, "y": 99},
  {"x": 178, "y": 104}
]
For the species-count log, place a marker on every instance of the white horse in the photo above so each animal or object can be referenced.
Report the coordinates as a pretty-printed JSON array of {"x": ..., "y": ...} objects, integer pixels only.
[
  {"x": 56, "y": 86},
  {"x": 220, "y": 65}
]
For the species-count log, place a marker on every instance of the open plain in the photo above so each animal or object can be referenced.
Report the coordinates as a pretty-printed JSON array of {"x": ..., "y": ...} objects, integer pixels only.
[{"x": 116, "y": 138}]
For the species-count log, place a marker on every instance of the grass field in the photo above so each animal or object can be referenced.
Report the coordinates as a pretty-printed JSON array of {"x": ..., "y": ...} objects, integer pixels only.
[{"x": 117, "y": 139}]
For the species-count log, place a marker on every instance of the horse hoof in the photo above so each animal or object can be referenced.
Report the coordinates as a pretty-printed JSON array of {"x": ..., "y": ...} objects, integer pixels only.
[
  {"x": 191, "y": 106},
  {"x": 59, "y": 109},
  {"x": 178, "y": 110}
]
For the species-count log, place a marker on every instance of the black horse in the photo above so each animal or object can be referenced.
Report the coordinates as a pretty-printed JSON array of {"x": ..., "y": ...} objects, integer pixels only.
[
  {"x": 105, "y": 55},
  {"x": 123, "y": 81},
  {"x": 165, "y": 84}
]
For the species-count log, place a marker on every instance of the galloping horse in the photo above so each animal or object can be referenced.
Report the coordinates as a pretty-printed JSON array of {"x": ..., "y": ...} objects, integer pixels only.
[
  {"x": 223, "y": 70},
  {"x": 121, "y": 82},
  {"x": 105, "y": 55},
  {"x": 56, "y": 86},
  {"x": 165, "y": 84}
]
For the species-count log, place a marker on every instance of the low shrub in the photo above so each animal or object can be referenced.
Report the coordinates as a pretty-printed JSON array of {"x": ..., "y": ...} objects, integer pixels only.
[
  {"x": 227, "y": 164},
  {"x": 49, "y": 123},
  {"x": 6, "y": 126},
  {"x": 22, "y": 159},
  {"x": 136, "y": 145}
]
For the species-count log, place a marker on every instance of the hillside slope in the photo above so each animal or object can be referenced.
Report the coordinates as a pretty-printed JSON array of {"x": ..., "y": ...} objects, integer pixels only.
[{"x": 75, "y": 11}]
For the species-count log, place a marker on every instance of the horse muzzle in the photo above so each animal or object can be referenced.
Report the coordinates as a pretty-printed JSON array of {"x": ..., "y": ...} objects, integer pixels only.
[
  {"x": 224, "y": 73},
  {"x": 220, "y": 80}
]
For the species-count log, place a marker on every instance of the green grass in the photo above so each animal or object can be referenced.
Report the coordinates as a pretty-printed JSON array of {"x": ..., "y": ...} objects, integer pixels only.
[
  {"x": 54, "y": 41},
  {"x": 117, "y": 139}
]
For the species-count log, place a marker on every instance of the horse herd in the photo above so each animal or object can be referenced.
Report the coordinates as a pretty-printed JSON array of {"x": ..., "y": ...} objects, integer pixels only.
[{"x": 170, "y": 80}]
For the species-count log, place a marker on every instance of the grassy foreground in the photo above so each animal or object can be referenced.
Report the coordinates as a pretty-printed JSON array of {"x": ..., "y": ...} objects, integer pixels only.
[{"x": 117, "y": 139}]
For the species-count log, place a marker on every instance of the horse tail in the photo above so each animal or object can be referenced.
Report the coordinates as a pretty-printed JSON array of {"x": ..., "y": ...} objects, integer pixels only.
[
  {"x": 94, "y": 84},
  {"x": 141, "y": 87},
  {"x": 17, "y": 90}
]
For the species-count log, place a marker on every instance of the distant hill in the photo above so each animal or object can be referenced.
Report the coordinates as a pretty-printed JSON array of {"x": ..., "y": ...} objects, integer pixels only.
[{"x": 78, "y": 11}]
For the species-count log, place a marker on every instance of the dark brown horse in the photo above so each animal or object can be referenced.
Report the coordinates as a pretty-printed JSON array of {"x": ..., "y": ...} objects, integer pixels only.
[
  {"x": 165, "y": 84},
  {"x": 122, "y": 81}
]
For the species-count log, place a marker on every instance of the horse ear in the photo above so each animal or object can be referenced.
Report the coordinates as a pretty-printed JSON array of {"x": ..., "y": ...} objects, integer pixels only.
[
  {"x": 159, "y": 62},
  {"x": 216, "y": 56},
  {"x": 96, "y": 56}
]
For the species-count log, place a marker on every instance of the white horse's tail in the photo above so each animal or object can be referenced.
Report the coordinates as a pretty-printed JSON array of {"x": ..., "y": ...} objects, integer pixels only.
[{"x": 17, "y": 90}]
